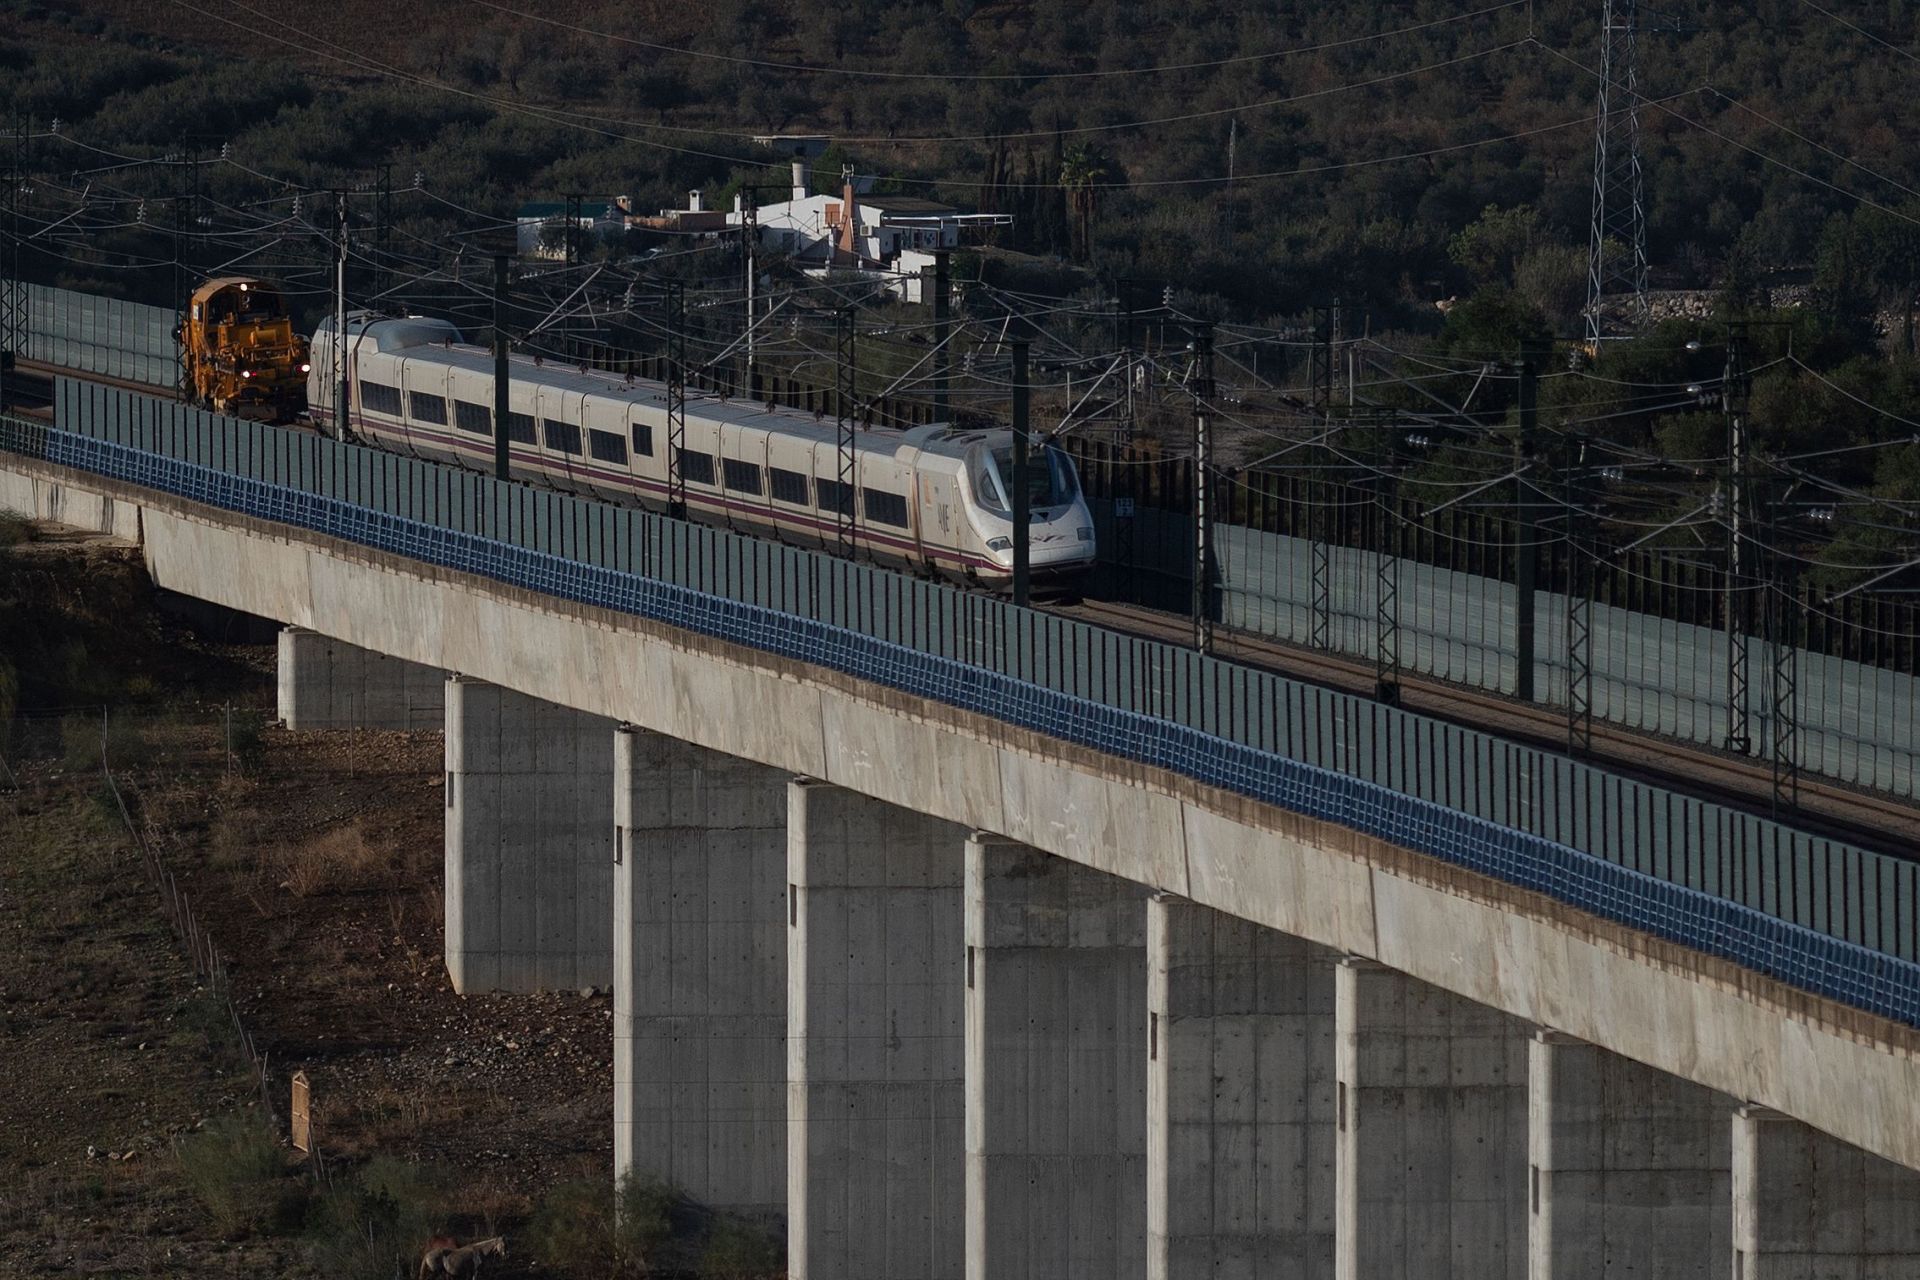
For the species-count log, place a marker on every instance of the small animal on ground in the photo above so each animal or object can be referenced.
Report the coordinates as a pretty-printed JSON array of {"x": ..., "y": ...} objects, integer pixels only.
[
  {"x": 438, "y": 1247},
  {"x": 464, "y": 1263}
]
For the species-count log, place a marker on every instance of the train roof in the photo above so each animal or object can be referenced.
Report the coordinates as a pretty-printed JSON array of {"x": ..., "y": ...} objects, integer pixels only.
[
  {"x": 439, "y": 340},
  {"x": 220, "y": 283}
]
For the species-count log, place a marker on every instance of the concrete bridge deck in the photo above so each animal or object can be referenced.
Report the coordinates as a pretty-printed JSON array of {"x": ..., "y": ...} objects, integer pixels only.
[{"x": 1286, "y": 1045}]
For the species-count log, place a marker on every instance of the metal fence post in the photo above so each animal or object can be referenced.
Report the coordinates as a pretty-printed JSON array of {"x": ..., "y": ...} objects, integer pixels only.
[
  {"x": 1526, "y": 551},
  {"x": 1022, "y": 497}
]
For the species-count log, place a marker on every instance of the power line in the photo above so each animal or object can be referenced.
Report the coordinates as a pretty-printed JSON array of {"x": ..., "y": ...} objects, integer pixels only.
[{"x": 1908, "y": 55}]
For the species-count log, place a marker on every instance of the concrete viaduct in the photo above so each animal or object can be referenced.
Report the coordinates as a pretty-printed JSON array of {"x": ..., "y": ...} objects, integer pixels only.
[{"x": 952, "y": 998}]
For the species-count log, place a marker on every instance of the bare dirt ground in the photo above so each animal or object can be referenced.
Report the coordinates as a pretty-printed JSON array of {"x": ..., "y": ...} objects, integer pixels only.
[
  {"x": 111, "y": 1051},
  {"x": 319, "y": 872},
  {"x": 314, "y": 861}
]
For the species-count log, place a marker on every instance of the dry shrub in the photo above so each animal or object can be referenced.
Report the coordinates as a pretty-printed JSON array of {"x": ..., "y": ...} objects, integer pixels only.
[
  {"x": 588, "y": 1229},
  {"x": 494, "y": 1200},
  {"x": 370, "y": 1226},
  {"x": 400, "y": 1113},
  {"x": 234, "y": 837},
  {"x": 335, "y": 861},
  {"x": 741, "y": 1250},
  {"x": 238, "y": 1170}
]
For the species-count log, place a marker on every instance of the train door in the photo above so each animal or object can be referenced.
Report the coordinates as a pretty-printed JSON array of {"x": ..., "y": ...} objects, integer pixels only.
[
  {"x": 886, "y": 504},
  {"x": 402, "y": 372},
  {"x": 608, "y": 451},
  {"x": 939, "y": 503},
  {"x": 523, "y": 427},
  {"x": 790, "y": 483},
  {"x": 831, "y": 500},
  {"x": 553, "y": 432},
  {"x": 647, "y": 439},
  {"x": 699, "y": 468},
  {"x": 743, "y": 473}
]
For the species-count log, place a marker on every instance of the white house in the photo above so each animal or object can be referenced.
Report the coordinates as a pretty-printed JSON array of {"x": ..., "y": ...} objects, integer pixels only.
[{"x": 892, "y": 236}]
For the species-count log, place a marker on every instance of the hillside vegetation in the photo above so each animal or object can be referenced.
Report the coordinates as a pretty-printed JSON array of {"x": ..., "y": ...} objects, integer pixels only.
[
  {"x": 1363, "y": 138},
  {"x": 1253, "y": 160}
]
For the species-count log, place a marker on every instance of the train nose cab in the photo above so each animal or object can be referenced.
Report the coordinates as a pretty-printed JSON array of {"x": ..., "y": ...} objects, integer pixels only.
[{"x": 1060, "y": 529}]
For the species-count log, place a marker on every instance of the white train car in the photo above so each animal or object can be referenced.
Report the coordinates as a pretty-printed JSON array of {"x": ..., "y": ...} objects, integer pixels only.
[{"x": 931, "y": 498}]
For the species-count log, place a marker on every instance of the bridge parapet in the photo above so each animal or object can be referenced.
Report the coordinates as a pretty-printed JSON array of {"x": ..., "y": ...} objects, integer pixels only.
[{"x": 1831, "y": 918}]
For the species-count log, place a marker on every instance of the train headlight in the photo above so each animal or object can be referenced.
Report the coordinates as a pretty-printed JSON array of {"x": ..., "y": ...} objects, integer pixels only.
[
  {"x": 999, "y": 544},
  {"x": 306, "y": 368},
  {"x": 1086, "y": 533},
  {"x": 246, "y": 373}
]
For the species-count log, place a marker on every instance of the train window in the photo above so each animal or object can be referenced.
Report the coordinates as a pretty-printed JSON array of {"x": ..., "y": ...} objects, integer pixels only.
[
  {"x": 882, "y": 507},
  {"x": 422, "y": 407},
  {"x": 643, "y": 439},
  {"x": 834, "y": 496},
  {"x": 607, "y": 447},
  {"x": 520, "y": 427},
  {"x": 476, "y": 418},
  {"x": 378, "y": 397},
  {"x": 788, "y": 486},
  {"x": 1050, "y": 479},
  {"x": 986, "y": 487},
  {"x": 741, "y": 477},
  {"x": 563, "y": 436},
  {"x": 695, "y": 468}
]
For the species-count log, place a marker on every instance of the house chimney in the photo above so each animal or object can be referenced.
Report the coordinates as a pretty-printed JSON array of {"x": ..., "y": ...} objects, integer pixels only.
[
  {"x": 693, "y": 202},
  {"x": 799, "y": 179}
]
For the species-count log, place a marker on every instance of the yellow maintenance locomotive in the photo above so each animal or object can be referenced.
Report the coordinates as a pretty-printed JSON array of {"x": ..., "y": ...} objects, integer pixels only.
[{"x": 239, "y": 351}]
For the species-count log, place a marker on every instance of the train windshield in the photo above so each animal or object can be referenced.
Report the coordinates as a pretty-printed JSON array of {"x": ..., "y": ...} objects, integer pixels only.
[{"x": 1050, "y": 480}]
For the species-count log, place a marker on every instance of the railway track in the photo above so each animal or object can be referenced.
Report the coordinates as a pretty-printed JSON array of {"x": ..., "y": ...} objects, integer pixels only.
[
  {"x": 1827, "y": 808},
  {"x": 1859, "y": 817}
]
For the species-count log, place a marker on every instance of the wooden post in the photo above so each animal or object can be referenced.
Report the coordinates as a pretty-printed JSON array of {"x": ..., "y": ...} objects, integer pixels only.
[{"x": 301, "y": 1114}]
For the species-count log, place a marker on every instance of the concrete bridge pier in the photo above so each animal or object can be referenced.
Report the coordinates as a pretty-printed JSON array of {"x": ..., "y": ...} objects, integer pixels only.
[
  {"x": 875, "y": 1040},
  {"x": 529, "y": 849},
  {"x": 1807, "y": 1206},
  {"x": 329, "y": 684},
  {"x": 1055, "y": 1068},
  {"x": 1239, "y": 1099},
  {"x": 1430, "y": 1119},
  {"x": 700, "y": 972},
  {"x": 1629, "y": 1168}
]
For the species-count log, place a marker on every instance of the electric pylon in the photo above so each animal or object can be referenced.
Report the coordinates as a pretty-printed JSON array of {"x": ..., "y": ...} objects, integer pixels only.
[{"x": 1617, "y": 240}]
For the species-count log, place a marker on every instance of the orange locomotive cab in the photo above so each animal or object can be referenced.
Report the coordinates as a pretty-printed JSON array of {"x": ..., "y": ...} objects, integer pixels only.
[{"x": 239, "y": 352}]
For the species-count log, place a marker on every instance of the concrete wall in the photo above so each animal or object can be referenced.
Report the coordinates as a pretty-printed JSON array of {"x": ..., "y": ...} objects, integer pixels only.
[
  {"x": 1692, "y": 1016},
  {"x": 1056, "y": 1073},
  {"x": 329, "y": 684},
  {"x": 47, "y": 493},
  {"x": 1430, "y": 1132},
  {"x": 1629, "y": 1168},
  {"x": 700, "y": 972},
  {"x": 875, "y": 1043},
  {"x": 1240, "y": 1099},
  {"x": 1806, "y": 1207},
  {"x": 529, "y": 842}
]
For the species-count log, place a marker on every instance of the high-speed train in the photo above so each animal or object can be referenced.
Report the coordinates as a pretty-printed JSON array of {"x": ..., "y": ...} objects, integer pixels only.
[{"x": 931, "y": 498}]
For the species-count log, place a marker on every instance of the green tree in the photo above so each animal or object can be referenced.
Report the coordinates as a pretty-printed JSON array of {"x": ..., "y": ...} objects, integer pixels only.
[
  {"x": 1490, "y": 249},
  {"x": 1889, "y": 243},
  {"x": 1080, "y": 172}
]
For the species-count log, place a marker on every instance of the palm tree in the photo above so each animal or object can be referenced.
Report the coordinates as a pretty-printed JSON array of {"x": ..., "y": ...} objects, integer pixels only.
[{"x": 1080, "y": 171}]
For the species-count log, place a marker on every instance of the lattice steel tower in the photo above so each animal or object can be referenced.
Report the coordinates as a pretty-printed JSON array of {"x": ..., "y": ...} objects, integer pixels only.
[{"x": 1617, "y": 243}]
